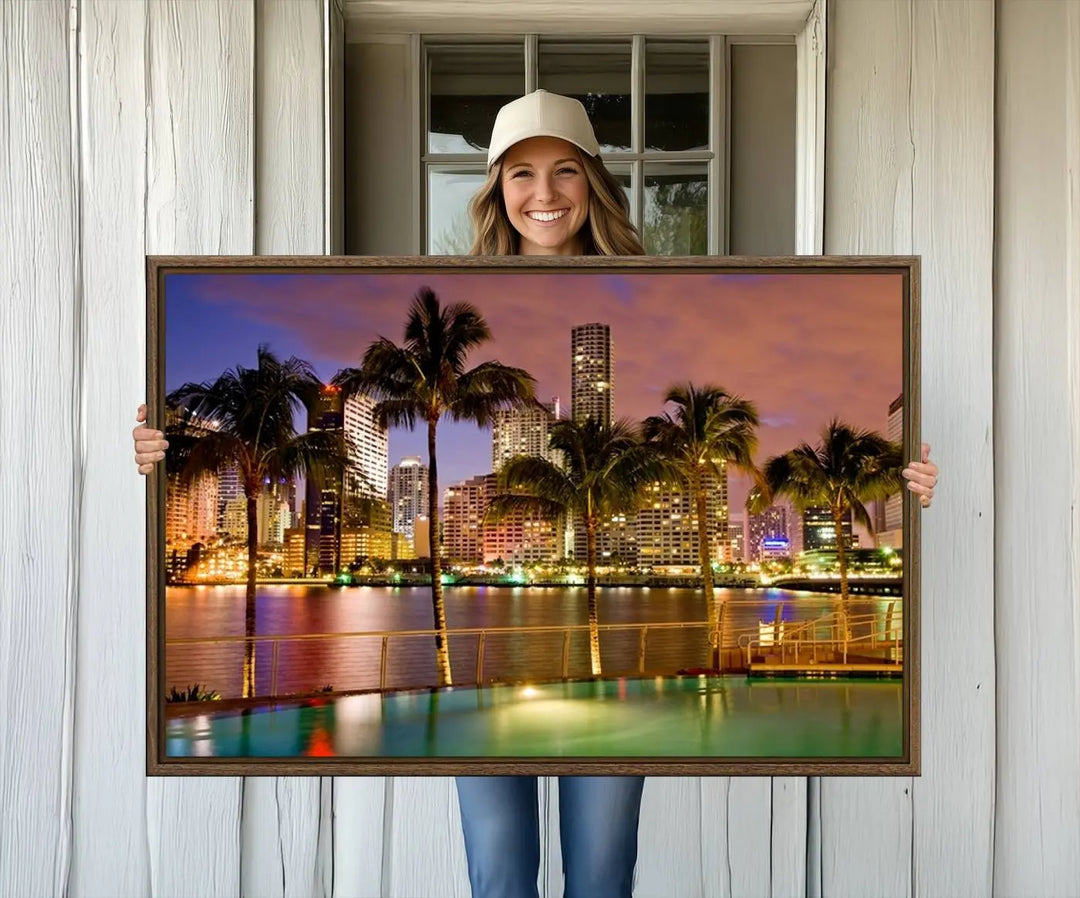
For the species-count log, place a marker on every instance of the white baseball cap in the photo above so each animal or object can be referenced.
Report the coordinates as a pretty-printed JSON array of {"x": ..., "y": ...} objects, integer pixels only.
[{"x": 541, "y": 114}]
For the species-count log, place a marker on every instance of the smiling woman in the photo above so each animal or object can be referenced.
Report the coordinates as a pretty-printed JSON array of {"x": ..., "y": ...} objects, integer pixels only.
[
  {"x": 547, "y": 191},
  {"x": 546, "y": 195}
]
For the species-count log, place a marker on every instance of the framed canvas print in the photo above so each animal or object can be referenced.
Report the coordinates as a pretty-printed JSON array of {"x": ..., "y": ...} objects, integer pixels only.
[{"x": 591, "y": 515}]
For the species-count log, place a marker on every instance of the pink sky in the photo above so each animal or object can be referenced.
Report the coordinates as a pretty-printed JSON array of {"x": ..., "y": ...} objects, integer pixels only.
[{"x": 803, "y": 346}]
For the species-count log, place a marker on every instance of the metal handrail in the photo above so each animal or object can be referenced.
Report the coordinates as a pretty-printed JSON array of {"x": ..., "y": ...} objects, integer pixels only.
[
  {"x": 891, "y": 632},
  {"x": 481, "y": 632},
  {"x": 741, "y": 637}
]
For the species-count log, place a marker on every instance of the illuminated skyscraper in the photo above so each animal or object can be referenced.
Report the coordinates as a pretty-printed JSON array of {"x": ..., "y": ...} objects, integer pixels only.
[
  {"x": 368, "y": 454},
  {"x": 734, "y": 547},
  {"x": 191, "y": 510},
  {"x": 819, "y": 531},
  {"x": 464, "y": 505},
  {"x": 523, "y": 432},
  {"x": 408, "y": 493},
  {"x": 894, "y": 506},
  {"x": 666, "y": 523},
  {"x": 771, "y": 525},
  {"x": 592, "y": 373}
]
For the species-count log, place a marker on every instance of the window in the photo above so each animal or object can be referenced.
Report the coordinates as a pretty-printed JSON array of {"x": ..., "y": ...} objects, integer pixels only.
[
  {"x": 701, "y": 130},
  {"x": 659, "y": 107}
]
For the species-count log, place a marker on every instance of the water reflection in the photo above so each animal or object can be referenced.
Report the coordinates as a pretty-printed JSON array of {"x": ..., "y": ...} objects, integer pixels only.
[
  {"x": 696, "y": 717},
  {"x": 308, "y": 665}
]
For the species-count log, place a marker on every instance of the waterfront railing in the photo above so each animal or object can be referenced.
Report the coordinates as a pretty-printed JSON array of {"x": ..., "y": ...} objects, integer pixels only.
[{"x": 740, "y": 636}]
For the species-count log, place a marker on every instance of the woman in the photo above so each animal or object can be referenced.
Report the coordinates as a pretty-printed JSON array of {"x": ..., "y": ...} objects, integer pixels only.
[{"x": 547, "y": 193}]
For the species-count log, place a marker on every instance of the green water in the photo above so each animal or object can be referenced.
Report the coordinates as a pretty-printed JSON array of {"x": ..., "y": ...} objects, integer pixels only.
[{"x": 689, "y": 717}]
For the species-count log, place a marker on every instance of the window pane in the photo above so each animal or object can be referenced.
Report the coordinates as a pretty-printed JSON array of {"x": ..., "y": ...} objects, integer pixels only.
[
  {"x": 623, "y": 176},
  {"x": 677, "y": 95},
  {"x": 468, "y": 85},
  {"x": 676, "y": 210},
  {"x": 449, "y": 228},
  {"x": 597, "y": 74}
]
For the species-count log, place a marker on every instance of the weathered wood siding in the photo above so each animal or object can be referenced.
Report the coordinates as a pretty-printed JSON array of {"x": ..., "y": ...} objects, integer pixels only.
[{"x": 175, "y": 127}]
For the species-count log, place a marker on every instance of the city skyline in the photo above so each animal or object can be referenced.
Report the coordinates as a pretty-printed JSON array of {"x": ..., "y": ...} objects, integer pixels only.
[{"x": 802, "y": 346}]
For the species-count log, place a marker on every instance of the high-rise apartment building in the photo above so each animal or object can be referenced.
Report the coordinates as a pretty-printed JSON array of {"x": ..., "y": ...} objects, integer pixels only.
[
  {"x": 408, "y": 493},
  {"x": 592, "y": 373},
  {"x": 523, "y": 431},
  {"x": 894, "y": 505},
  {"x": 519, "y": 538},
  {"x": 464, "y": 505},
  {"x": 325, "y": 503},
  {"x": 666, "y": 523},
  {"x": 229, "y": 487},
  {"x": 733, "y": 548},
  {"x": 369, "y": 445},
  {"x": 191, "y": 510},
  {"x": 819, "y": 531},
  {"x": 771, "y": 525}
]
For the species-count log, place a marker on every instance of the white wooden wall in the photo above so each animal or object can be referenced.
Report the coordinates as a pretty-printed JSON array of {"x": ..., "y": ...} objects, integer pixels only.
[{"x": 176, "y": 127}]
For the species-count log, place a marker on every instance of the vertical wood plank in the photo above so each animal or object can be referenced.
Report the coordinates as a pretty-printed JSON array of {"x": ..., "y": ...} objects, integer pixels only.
[
  {"x": 953, "y": 231},
  {"x": 426, "y": 851},
  {"x": 199, "y": 200},
  {"x": 41, "y": 434},
  {"x": 749, "y": 836},
  {"x": 109, "y": 815},
  {"x": 670, "y": 838},
  {"x": 282, "y": 816},
  {"x": 1037, "y": 448},
  {"x": 788, "y": 866},
  {"x": 866, "y": 835},
  {"x": 289, "y": 128},
  {"x": 362, "y": 804}
]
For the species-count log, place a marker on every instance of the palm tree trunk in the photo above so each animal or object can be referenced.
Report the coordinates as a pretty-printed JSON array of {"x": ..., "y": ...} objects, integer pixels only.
[
  {"x": 442, "y": 649},
  {"x": 594, "y": 624},
  {"x": 697, "y": 485},
  {"x": 252, "y": 496},
  {"x": 841, "y": 554}
]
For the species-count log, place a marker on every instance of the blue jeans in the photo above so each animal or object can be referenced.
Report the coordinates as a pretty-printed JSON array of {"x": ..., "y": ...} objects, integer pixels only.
[{"x": 598, "y": 823}]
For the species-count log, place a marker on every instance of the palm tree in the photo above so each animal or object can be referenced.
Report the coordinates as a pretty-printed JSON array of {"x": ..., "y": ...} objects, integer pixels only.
[
  {"x": 709, "y": 430},
  {"x": 845, "y": 470},
  {"x": 424, "y": 379},
  {"x": 244, "y": 419},
  {"x": 605, "y": 469}
]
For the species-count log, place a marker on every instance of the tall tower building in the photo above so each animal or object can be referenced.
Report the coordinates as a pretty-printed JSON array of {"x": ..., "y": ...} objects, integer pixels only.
[
  {"x": 667, "y": 531},
  {"x": 524, "y": 432},
  {"x": 734, "y": 547},
  {"x": 819, "y": 532},
  {"x": 229, "y": 488},
  {"x": 592, "y": 373},
  {"x": 408, "y": 493},
  {"x": 369, "y": 448},
  {"x": 191, "y": 510},
  {"x": 368, "y": 453},
  {"x": 464, "y": 505},
  {"x": 894, "y": 505},
  {"x": 771, "y": 525}
]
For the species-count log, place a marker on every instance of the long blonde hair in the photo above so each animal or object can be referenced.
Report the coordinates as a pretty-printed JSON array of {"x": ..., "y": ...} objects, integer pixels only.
[{"x": 607, "y": 231}]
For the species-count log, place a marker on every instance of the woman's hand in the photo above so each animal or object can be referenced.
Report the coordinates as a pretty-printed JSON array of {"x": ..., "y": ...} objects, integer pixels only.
[
  {"x": 922, "y": 477},
  {"x": 150, "y": 444}
]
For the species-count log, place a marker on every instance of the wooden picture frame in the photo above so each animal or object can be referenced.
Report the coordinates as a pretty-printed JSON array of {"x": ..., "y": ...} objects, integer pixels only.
[{"x": 837, "y": 675}]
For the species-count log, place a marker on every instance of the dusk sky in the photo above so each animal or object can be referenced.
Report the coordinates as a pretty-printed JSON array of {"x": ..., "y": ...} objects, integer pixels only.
[{"x": 804, "y": 347}]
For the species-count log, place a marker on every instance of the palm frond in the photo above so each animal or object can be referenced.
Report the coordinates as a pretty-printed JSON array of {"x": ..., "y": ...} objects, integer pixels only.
[
  {"x": 507, "y": 504},
  {"x": 318, "y": 454},
  {"x": 537, "y": 477},
  {"x": 488, "y": 388}
]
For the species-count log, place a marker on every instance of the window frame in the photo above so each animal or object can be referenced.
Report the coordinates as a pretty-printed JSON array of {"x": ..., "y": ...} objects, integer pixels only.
[{"x": 810, "y": 44}]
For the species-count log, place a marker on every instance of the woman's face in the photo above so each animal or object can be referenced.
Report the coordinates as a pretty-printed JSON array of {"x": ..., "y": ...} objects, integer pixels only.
[{"x": 546, "y": 194}]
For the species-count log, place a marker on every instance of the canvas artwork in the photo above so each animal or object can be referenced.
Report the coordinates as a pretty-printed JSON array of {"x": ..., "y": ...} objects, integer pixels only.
[{"x": 604, "y": 515}]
